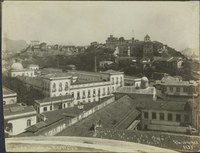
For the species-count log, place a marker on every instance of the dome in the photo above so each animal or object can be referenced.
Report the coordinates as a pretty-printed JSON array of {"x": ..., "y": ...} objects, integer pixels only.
[
  {"x": 17, "y": 66},
  {"x": 144, "y": 83},
  {"x": 144, "y": 79}
]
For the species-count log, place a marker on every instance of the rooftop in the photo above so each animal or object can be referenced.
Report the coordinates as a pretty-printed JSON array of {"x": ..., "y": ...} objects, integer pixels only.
[
  {"x": 16, "y": 109},
  {"x": 57, "y": 76},
  {"x": 173, "y": 82},
  {"x": 7, "y": 91},
  {"x": 84, "y": 81},
  {"x": 119, "y": 114},
  {"x": 134, "y": 90},
  {"x": 52, "y": 99}
]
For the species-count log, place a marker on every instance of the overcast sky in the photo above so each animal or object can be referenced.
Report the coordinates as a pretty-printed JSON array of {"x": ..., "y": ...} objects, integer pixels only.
[{"x": 79, "y": 23}]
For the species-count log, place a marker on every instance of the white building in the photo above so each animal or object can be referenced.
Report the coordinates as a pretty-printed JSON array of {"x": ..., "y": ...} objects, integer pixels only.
[
  {"x": 17, "y": 118},
  {"x": 9, "y": 96},
  {"x": 33, "y": 67},
  {"x": 18, "y": 70},
  {"x": 83, "y": 86}
]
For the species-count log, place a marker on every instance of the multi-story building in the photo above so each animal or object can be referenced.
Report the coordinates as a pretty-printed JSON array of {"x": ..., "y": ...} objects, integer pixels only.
[
  {"x": 178, "y": 88},
  {"x": 83, "y": 86},
  {"x": 9, "y": 96},
  {"x": 170, "y": 116}
]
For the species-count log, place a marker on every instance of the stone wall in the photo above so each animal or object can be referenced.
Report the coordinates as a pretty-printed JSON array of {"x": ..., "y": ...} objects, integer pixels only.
[{"x": 165, "y": 140}]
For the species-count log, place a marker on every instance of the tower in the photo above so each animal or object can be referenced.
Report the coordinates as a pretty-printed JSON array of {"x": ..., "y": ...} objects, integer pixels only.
[{"x": 147, "y": 47}]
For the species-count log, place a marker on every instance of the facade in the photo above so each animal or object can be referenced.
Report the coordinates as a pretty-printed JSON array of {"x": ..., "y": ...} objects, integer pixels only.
[
  {"x": 17, "y": 118},
  {"x": 53, "y": 103},
  {"x": 83, "y": 86},
  {"x": 18, "y": 70},
  {"x": 9, "y": 96},
  {"x": 169, "y": 116},
  {"x": 33, "y": 67},
  {"x": 178, "y": 88}
]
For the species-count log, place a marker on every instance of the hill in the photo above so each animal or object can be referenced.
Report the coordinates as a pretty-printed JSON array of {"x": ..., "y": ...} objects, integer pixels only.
[
  {"x": 13, "y": 45},
  {"x": 190, "y": 52}
]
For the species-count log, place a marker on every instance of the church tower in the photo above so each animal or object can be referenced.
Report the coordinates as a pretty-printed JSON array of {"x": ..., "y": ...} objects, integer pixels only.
[{"x": 148, "y": 47}]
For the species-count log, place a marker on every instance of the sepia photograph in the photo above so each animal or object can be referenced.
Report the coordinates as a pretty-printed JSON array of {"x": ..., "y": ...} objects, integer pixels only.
[{"x": 100, "y": 76}]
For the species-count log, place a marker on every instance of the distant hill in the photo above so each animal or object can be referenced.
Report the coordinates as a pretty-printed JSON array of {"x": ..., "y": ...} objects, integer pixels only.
[
  {"x": 190, "y": 52},
  {"x": 13, "y": 45}
]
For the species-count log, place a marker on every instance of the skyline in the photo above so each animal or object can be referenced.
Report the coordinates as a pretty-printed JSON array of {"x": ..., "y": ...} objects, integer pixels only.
[{"x": 80, "y": 23}]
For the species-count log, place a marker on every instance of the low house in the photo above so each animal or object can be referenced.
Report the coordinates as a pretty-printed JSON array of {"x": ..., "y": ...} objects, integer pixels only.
[
  {"x": 9, "y": 96},
  {"x": 17, "y": 118}
]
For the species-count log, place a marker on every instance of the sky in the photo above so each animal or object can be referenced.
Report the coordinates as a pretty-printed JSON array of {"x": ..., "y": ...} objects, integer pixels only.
[{"x": 80, "y": 23}]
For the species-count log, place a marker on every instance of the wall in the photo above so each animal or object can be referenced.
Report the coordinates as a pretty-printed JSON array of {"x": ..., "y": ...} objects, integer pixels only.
[
  {"x": 19, "y": 125},
  {"x": 10, "y": 100},
  {"x": 29, "y": 73},
  {"x": 164, "y": 140}
]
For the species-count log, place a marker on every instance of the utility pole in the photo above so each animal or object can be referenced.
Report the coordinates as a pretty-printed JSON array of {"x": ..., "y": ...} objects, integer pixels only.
[{"x": 95, "y": 62}]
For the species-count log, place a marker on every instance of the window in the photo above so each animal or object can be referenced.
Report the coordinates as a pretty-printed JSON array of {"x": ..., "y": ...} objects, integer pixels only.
[
  {"x": 88, "y": 93},
  {"x": 50, "y": 107},
  {"x": 169, "y": 116},
  {"x": 178, "y": 117},
  {"x": 63, "y": 105},
  {"x": 146, "y": 115},
  {"x": 28, "y": 123},
  {"x": 108, "y": 91},
  {"x": 60, "y": 86},
  {"x": 171, "y": 89},
  {"x": 44, "y": 109},
  {"x": 94, "y": 93},
  {"x": 112, "y": 89},
  {"x": 99, "y": 92},
  {"x": 66, "y": 86},
  {"x": 83, "y": 94},
  {"x": 78, "y": 95},
  {"x": 14, "y": 74},
  {"x": 154, "y": 115},
  {"x": 73, "y": 94},
  {"x": 112, "y": 80},
  {"x": 117, "y": 81},
  {"x": 162, "y": 116},
  {"x": 54, "y": 87},
  {"x": 177, "y": 89}
]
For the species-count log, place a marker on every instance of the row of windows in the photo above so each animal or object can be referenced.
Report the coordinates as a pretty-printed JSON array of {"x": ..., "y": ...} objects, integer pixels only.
[
  {"x": 169, "y": 116},
  {"x": 177, "y": 89},
  {"x": 93, "y": 94},
  {"x": 23, "y": 74},
  {"x": 60, "y": 87},
  {"x": 117, "y": 80},
  {"x": 51, "y": 108}
]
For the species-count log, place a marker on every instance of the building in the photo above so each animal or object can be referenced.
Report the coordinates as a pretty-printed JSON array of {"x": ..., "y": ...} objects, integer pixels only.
[
  {"x": 83, "y": 86},
  {"x": 17, "y": 118},
  {"x": 53, "y": 103},
  {"x": 132, "y": 81},
  {"x": 18, "y": 70},
  {"x": 141, "y": 89},
  {"x": 35, "y": 42},
  {"x": 148, "y": 47},
  {"x": 43, "y": 46},
  {"x": 168, "y": 116},
  {"x": 9, "y": 96},
  {"x": 111, "y": 42},
  {"x": 104, "y": 64},
  {"x": 178, "y": 88},
  {"x": 33, "y": 67}
]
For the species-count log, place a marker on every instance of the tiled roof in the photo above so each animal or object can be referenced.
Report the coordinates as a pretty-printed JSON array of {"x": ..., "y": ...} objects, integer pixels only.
[
  {"x": 111, "y": 71},
  {"x": 57, "y": 75},
  {"x": 7, "y": 91},
  {"x": 51, "y": 99},
  {"x": 162, "y": 105},
  {"x": 119, "y": 114},
  {"x": 14, "y": 109}
]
